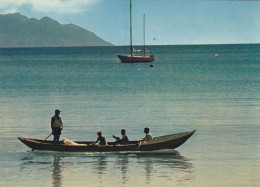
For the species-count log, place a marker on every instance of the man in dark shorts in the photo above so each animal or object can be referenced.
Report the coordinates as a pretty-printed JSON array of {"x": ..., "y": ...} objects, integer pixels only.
[{"x": 56, "y": 126}]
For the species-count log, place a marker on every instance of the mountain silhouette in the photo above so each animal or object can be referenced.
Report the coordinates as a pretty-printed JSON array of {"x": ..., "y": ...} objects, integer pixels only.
[{"x": 17, "y": 30}]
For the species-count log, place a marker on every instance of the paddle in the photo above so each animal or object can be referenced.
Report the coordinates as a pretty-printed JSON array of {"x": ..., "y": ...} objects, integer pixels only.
[
  {"x": 139, "y": 144},
  {"x": 44, "y": 140}
]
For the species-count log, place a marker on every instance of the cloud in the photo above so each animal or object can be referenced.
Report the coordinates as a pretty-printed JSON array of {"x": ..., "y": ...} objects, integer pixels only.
[
  {"x": 11, "y": 10},
  {"x": 58, "y": 6}
]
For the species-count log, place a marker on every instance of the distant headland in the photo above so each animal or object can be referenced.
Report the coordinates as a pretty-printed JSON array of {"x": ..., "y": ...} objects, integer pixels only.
[{"x": 17, "y": 30}]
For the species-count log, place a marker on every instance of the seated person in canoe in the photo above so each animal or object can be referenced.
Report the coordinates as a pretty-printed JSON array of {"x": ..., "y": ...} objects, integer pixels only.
[
  {"x": 148, "y": 137},
  {"x": 101, "y": 140},
  {"x": 124, "y": 140}
]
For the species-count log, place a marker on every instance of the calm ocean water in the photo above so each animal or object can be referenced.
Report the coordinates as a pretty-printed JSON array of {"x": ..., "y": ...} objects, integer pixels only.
[{"x": 188, "y": 88}]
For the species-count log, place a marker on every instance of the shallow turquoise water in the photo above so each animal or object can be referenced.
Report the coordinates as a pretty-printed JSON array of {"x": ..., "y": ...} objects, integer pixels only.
[{"x": 188, "y": 88}]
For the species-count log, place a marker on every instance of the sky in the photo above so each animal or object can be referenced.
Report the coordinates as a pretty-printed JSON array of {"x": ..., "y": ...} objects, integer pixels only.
[{"x": 168, "y": 22}]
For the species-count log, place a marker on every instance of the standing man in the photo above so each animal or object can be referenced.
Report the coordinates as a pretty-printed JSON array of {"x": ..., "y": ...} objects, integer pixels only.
[{"x": 56, "y": 126}]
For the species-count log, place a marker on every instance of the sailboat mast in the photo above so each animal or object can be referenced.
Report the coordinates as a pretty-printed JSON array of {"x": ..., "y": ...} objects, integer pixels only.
[
  {"x": 131, "y": 43},
  {"x": 144, "y": 33}
]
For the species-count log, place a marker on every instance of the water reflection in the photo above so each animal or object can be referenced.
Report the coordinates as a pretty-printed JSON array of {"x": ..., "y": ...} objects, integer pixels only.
[
  {"x": 39, "y": 159},
  {"x": 113, "y": 168},
  {"x": 99, "y": 166},
  {"x": 56, "y": 171},
  {"x": 167, "y": 163},
  {"x": 122, "y": 161},
  {"x": 148, "y": 169}
]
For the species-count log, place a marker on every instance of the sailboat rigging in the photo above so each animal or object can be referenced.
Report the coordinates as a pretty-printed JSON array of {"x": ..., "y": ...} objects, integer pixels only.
[{"x": 133, "y": 58}]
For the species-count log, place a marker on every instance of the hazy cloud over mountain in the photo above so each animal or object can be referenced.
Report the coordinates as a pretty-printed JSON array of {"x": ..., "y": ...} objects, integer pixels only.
[{"x": 61, "y": 6}]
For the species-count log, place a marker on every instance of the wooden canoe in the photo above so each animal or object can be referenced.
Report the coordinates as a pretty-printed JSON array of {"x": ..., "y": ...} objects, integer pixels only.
[{"x": 158, "y": 143}]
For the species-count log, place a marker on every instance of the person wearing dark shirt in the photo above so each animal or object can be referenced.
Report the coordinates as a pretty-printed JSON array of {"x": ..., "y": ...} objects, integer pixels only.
[
  {"x": 101, "y": 139},
  {"x": 56, "y": 126},
  {"x": 124, "y": 140}
]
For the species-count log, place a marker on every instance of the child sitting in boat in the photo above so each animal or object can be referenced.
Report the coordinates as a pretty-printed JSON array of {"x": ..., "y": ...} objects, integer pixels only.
[
  {"x": 101, "y": 139},
  {"x": 148, "y": 137},
  {"x": 124, "y": 139}
]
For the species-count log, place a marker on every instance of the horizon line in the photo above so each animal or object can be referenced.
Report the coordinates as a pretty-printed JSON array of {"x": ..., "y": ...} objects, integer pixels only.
[{"x": 16, "y": 47}]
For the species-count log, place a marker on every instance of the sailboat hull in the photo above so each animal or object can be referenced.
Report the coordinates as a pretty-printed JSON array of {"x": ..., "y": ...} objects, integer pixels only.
[{"x": 135, "y": 58}]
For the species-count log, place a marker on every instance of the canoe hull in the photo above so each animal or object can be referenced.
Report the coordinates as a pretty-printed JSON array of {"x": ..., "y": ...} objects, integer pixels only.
[{"x": 159, "y": 143}]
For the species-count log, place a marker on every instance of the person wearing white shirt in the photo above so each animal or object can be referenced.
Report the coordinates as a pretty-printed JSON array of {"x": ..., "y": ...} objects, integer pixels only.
[{"x": 148, "y": 136}]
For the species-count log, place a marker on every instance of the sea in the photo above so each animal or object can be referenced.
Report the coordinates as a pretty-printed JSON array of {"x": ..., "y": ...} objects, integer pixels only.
[{"x": 213, "y": 89}]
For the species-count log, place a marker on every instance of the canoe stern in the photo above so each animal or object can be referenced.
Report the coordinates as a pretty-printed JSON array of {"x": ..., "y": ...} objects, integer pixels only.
[{"x": 167, "y": 142}]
